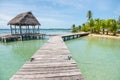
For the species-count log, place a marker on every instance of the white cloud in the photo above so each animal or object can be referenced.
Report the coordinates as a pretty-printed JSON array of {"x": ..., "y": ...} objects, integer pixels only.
[
  {"x": 5, "y": 17},
  {"x": 48, "y": 16},
  {"x": 52, "y": 23},
  {"x": 4, "y": 20},
  {"x": 55, "y": 13}
]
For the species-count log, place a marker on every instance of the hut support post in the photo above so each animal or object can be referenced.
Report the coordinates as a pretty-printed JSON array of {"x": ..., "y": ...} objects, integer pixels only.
[
  {"x": 15, "y": 30},
  {"x": 11, "y": 29},
  {"x": 33, "y": 29},
  {"x": 28, "y": 29},
  {"x": 20, "y": 29},
  {"x": 38, "y": 29}
]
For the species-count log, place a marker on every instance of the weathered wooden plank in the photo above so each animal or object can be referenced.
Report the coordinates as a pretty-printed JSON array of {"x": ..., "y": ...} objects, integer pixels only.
[
  {"x": 47, "y": 72},
  {"x": 73, "y": 77},
  {"x": 51, "y": 62},
  {"x": 46, "y": 75},
  {"x": 47, "y": 69}
]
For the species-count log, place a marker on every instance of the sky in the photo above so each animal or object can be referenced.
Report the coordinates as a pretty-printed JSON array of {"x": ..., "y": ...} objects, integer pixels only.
[{"x": 59, "y": 13}]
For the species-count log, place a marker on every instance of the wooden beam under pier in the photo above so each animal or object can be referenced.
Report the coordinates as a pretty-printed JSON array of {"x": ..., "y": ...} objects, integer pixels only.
[{"x": 18, "y": 37}]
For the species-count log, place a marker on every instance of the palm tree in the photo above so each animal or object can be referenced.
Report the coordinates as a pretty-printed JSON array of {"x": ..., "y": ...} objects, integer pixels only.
[
  {"x": 113, "y": 26},
  {"x": 79, "y": 27},
  {"x": 73, "y": 28},
  {"x": 91, "y": 24},
  {"x": 103, "y": 26},
  {"x": 89, "y": 14},
  {"x": 108, "y": 21},
  {"x": 118, "y": 22},
  {"x": 91, "y": 21},
  {"x": 83, "y": 28},
  {"x": 97, "y": 25}
]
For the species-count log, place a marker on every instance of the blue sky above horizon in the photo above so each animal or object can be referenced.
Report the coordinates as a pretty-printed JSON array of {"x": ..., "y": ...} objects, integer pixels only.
[{"x": 59, "y": 13}]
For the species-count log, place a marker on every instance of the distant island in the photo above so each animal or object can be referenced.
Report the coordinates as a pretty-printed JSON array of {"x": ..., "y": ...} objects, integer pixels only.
[{"x": 98, "y": 26}]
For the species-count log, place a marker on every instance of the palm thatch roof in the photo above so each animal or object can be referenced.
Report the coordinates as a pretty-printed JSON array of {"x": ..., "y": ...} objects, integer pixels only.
[{"x": 24, "y": 19}]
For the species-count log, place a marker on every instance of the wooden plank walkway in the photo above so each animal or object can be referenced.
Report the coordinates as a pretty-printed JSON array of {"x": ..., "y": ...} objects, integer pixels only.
[
  {"x": 51, "y": 62},
  {"x": 73, "y": 35}
]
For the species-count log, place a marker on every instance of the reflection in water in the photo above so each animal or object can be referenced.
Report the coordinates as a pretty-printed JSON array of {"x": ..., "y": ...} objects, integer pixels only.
[
  {"x": 98, "y": 58},
  {"x": 14, "y": 54}
]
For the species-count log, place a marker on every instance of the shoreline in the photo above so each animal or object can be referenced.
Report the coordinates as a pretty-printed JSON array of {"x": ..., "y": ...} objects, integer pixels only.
[{"x": 105, "y": 36}]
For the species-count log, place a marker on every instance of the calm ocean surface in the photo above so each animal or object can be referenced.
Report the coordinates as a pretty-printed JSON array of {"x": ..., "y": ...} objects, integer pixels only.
[
  {"x": 44, "y": 31},
  {"x": 97, "y": 58},
  {"x": 14, "y": 54}
]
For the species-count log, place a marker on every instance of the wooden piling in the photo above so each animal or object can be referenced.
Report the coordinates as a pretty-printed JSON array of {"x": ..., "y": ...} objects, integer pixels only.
[{"x": 17, "y": 37}]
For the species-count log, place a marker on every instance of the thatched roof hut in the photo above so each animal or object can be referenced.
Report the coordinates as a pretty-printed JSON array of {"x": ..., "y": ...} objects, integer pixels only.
[{"x": 24, "y": 19}]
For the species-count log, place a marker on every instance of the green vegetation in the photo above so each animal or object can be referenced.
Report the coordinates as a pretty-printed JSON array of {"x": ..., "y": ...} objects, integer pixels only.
[
  {"x": 98, "y": 25},
  {"x": 76, "y": 28},
  {"x": 89, "y": 15}
]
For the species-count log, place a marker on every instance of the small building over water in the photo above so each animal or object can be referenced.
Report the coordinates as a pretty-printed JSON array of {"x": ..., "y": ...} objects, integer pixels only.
[
  {"x": 24, "y": 23},
  {"x": 23, "y": 27}
]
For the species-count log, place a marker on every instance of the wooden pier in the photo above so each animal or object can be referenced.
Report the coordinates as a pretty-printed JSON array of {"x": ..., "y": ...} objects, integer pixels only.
[
  {"x": 18, "y": 37},
  {"x": 74, "y": 35},
  {"x": 51, "y": 62}
]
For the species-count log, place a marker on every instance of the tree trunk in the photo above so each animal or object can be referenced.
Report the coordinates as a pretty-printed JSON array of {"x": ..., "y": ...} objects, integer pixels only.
[
  {"x": 103, "y": 31},
  {"x": 107, "y": 32},
  {"x": 91, "y": 30},
  {"x": 114, "y": 33}
]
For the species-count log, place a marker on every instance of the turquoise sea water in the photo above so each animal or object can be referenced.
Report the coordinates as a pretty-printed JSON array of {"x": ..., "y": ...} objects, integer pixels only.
[
  {"x": 97, "y": 58},
  {"x": 44, "y": 31},
  {"x": 14, "y": 54}
]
